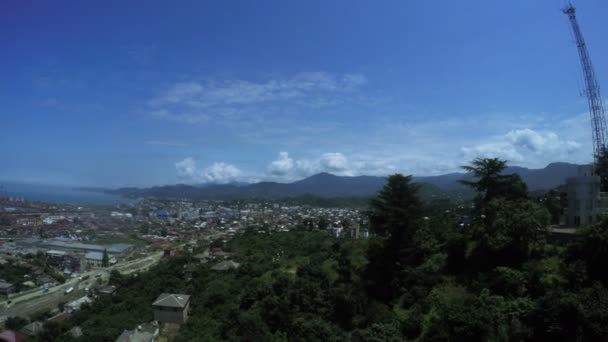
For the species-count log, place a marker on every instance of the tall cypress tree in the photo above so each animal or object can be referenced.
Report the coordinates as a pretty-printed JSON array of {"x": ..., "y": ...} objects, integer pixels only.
[
  {"x": 105, "y": 260},
  {"x": 395, "y": 217}
]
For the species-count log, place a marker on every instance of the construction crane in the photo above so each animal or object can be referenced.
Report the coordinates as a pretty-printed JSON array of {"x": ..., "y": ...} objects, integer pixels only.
[{"x": 592, "y": 88}]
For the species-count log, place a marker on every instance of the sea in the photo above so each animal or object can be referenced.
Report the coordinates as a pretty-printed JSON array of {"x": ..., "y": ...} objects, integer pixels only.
[{"x": 60, "y": 194}]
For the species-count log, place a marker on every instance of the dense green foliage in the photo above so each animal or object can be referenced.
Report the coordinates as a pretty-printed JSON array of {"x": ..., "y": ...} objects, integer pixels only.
[
  {"x": 14, "y": 274},
  {"x": 601, "y": 167},
  {"x": 487, "y": 274}
]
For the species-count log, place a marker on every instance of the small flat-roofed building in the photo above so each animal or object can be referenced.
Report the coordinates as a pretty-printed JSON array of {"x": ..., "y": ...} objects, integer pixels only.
[
  {"x": 6, "y": 288},
  {"x": 107, "y": 290},
  {"x": 171, "y": 308},
  {"x": 45, "y": 280},
  {"x": 75, "y": 305},
  {"x": 143, "y": 333}
]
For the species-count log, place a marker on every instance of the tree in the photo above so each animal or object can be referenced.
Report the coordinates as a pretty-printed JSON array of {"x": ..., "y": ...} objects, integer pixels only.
[
  {"x": 510, "y": 234},
  {"x": 323, "y": 223},
  {"x": 15, "y": 323},
  {"x": 601, "y": 167},
  {"x": 396, "y": 207},
  {"x": 490, "y": 183},
  {"x": 105, "y": 260},
  {"x": 348, "y": 230},
  {"x": 395, "y": 217},
  {"x": 591, "y": 246}
]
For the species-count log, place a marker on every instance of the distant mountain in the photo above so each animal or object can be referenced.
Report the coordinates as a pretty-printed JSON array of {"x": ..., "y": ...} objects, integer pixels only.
[
  {"x": 327, "y": 185},
  {"x": 552, "y": 176}
]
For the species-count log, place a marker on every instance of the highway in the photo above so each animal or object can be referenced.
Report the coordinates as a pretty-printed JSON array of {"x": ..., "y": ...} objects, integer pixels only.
[{"x": 37, "y": 301}]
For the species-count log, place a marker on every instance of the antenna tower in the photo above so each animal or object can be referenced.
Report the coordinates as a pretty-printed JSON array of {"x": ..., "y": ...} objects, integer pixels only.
[{"x": 592, "y": 88}]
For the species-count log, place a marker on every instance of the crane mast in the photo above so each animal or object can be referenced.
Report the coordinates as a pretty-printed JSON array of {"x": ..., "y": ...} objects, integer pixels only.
[{"x": 592, "y": 88}]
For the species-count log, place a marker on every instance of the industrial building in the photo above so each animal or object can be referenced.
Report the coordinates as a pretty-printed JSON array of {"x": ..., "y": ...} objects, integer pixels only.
[
  {"x": 67, "y": 261},
  {"x": 71, "y": 246}
]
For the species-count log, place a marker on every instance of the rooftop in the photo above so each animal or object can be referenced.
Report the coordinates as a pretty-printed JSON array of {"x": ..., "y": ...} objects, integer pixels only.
[
  {"x": 32, "y": 329},
  {"x": 143, "y": 333},
  {"x": 12, "y": 336},
  {"x": 172, "y": 300},
  {"x": 67, "y": 243},
  {"x": 107, "y": 289},
  {"x": 5, "y": 285},
  {"x": 94, "y": 256},
  {"x": 225, "y": 265}
]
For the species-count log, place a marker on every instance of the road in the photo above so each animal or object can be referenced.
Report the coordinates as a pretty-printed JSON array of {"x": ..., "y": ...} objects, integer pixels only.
[
  {"x": 30, "y": 303},
  {"x": 37, "y": 301}
]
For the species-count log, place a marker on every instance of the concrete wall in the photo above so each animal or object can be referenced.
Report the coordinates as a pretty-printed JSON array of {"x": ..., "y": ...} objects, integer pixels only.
[
  {"x": 171, "y": 315},
  {"x": 585, "y": 202}
]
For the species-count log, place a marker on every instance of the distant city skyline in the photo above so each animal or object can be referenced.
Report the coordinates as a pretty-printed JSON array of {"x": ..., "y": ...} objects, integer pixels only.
[{"x": 144, "y": 93}]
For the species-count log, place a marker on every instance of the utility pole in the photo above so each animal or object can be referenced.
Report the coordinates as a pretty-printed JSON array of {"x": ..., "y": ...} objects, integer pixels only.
[{"x": 592, "y": 88}]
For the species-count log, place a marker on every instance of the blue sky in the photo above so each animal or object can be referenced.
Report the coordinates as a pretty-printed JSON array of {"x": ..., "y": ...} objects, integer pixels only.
[{"x": 117, "y": 93}]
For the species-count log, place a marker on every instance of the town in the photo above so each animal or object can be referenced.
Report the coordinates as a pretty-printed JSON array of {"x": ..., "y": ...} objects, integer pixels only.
[{"x": 54, "y": 257}]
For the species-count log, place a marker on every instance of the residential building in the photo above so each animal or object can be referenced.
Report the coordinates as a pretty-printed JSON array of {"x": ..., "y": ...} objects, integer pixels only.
[
  {"x": 75, "y": 305},
  {"x": 171, "y": 308},
  {"x": 107, "y": 290},
  {"x": 6, "y": 288},
  {"x": 45, "y": 281},
  {"x": 585, "y": 201},
  {"x": 143, "y": 333},
  {"x": 32, "y": 329}
]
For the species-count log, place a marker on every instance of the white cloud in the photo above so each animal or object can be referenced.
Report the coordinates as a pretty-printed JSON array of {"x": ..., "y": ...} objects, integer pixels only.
[
  {"x": 334, "y": 162},
  {"x": 528, "y": 138},
  {"x": 218, "y": 172},
  {"x": 186, "y": 170},
  {"x": 541, "y": 142},
  {"x": 281, "y": 166},
  {"x": 500, "y": 150},
  {"x": 197, "y": 102},
  {"x": 527, "y": 146},
  {"x": 285, "y": 168},
  {"x": 221, "y": 173}
]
